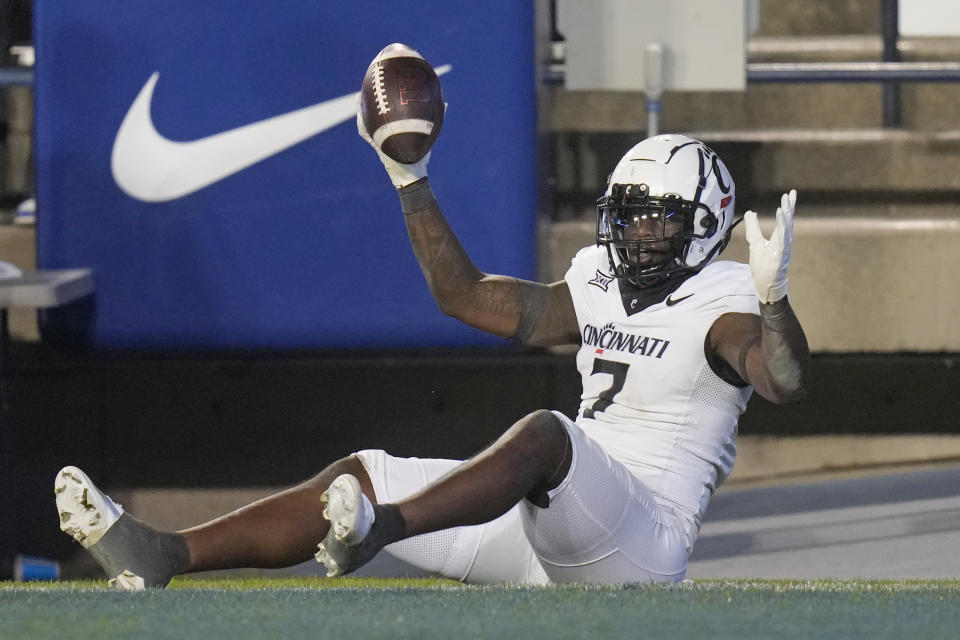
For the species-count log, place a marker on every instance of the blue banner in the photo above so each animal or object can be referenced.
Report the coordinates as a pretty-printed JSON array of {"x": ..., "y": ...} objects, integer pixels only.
[{"x": 202, "y": 158}]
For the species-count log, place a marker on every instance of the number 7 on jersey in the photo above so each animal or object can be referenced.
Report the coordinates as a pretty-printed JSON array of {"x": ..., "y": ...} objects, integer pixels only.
[{"x": 619, "y": 372}]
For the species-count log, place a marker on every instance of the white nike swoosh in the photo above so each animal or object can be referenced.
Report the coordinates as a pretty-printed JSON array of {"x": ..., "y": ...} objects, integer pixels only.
[{"x": 152, "y": 168}]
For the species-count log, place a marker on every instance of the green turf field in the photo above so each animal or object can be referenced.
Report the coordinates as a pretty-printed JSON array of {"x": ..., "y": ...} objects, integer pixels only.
[{"x": 354, "y": 609}]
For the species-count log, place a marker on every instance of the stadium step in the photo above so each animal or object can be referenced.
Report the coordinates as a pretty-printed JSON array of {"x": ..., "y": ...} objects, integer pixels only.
[
  {"x": 855, "y": 167},
  {"x": 778, "y": 18}
]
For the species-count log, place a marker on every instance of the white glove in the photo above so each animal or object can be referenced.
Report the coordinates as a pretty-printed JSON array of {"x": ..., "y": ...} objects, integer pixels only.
[
  {"x": 400, "y": 174},
  {"x": 769, "y": 258}
]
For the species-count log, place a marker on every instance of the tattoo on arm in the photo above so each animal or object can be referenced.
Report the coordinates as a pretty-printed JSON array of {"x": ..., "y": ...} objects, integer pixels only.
[
  {"x": 497, "y": 300},
  {"x": 524, "y": 311},
  {"x": 489, "y": 303},
  {"x": 443, "y": 261}
]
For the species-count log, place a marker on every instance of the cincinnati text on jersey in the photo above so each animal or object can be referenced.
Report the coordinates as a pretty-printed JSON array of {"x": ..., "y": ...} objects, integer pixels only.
[{"x": 608, "y": 337}]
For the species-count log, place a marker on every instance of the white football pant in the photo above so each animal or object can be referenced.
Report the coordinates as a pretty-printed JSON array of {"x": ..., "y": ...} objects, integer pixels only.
[{"x": 602, "y": 526}]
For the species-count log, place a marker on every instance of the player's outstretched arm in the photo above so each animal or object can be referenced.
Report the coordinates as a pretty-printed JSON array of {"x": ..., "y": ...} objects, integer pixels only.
[
  {"x": 769, "y": 352},
  {"x": 527, "y": 312}
]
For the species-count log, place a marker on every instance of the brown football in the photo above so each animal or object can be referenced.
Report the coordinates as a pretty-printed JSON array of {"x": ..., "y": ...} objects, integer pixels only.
[{"x": 402, "y": 103}]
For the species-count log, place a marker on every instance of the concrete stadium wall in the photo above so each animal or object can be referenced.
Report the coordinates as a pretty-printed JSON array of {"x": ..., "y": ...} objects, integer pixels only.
[{"x": 245, "y": 423}]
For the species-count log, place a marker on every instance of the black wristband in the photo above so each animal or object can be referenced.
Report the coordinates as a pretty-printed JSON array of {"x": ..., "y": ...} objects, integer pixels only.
[{"x": 416, "y": 197}]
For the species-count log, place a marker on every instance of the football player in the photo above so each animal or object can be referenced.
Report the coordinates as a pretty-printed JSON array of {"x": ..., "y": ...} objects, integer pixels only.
[{"x": 672, "y": 342}]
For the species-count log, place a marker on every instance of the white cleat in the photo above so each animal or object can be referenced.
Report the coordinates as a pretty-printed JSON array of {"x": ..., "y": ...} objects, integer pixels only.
[
  {"x": 323, "y": 557},
  {"x": 127, "y": 581},
  {"x": 351, "y": 515},
  {"x": 86, "y": 513}
]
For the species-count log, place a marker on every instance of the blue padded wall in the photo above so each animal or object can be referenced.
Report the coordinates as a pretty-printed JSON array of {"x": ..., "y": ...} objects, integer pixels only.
[{"x": 304, "y": 248}]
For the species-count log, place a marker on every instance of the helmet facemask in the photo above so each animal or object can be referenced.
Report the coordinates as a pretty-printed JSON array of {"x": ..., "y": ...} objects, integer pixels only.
[{"x": 648, "y": 237}]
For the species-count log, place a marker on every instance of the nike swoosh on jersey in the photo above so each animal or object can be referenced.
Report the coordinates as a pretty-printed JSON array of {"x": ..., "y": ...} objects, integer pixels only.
[
  {"x": 152, "y": 168},
  {"x": 671, "y": 301}
]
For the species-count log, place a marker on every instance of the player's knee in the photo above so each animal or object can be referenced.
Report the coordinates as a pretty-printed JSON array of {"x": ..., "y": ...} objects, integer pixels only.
[
  {"x": 539, "y": 435},
  {"x": 350, "y": 464},
  {"x": 539, "y": 424},
  {"x": 540, "y": 442}
]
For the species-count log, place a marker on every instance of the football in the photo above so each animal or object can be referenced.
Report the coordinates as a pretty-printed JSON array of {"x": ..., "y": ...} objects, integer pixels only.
[{"x": 401, "y": 103}]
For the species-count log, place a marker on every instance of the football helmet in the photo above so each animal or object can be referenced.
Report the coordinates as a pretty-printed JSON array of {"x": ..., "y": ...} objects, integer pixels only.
[{"x": 668, "y": 209}]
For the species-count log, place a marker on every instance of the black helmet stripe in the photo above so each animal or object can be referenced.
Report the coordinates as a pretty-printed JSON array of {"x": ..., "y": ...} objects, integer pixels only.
[
  {"x": 673, "y": 151},
  {"x": 702, "y": 181},
  {"x": 724, "y": 188}
]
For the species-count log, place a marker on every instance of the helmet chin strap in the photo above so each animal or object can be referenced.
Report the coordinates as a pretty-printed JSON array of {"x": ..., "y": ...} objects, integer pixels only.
[{"x": 651, "y": 281}]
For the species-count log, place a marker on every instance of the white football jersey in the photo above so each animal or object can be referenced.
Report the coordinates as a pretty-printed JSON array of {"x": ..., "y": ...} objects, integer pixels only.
[{"x": 650, "y": 398}]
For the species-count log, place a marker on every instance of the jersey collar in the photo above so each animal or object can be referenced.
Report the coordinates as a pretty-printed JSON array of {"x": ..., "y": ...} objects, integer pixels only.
[{"x": 635, "y": 299}]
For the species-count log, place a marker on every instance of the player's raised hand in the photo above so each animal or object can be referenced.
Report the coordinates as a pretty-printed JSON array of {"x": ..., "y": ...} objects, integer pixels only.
[
  {"x": 769, "y": 258},
  {"x": 400, "y": 174},
  {"x": 401, "y": 111}
]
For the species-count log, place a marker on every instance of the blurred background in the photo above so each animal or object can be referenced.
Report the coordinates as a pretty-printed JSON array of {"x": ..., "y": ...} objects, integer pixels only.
[{"x": 242, "y": 335}]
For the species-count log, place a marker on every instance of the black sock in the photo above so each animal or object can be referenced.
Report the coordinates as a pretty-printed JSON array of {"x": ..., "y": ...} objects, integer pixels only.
[
  {"x": 389, "y": 525},
  {"x": 131, "y": 545}
]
